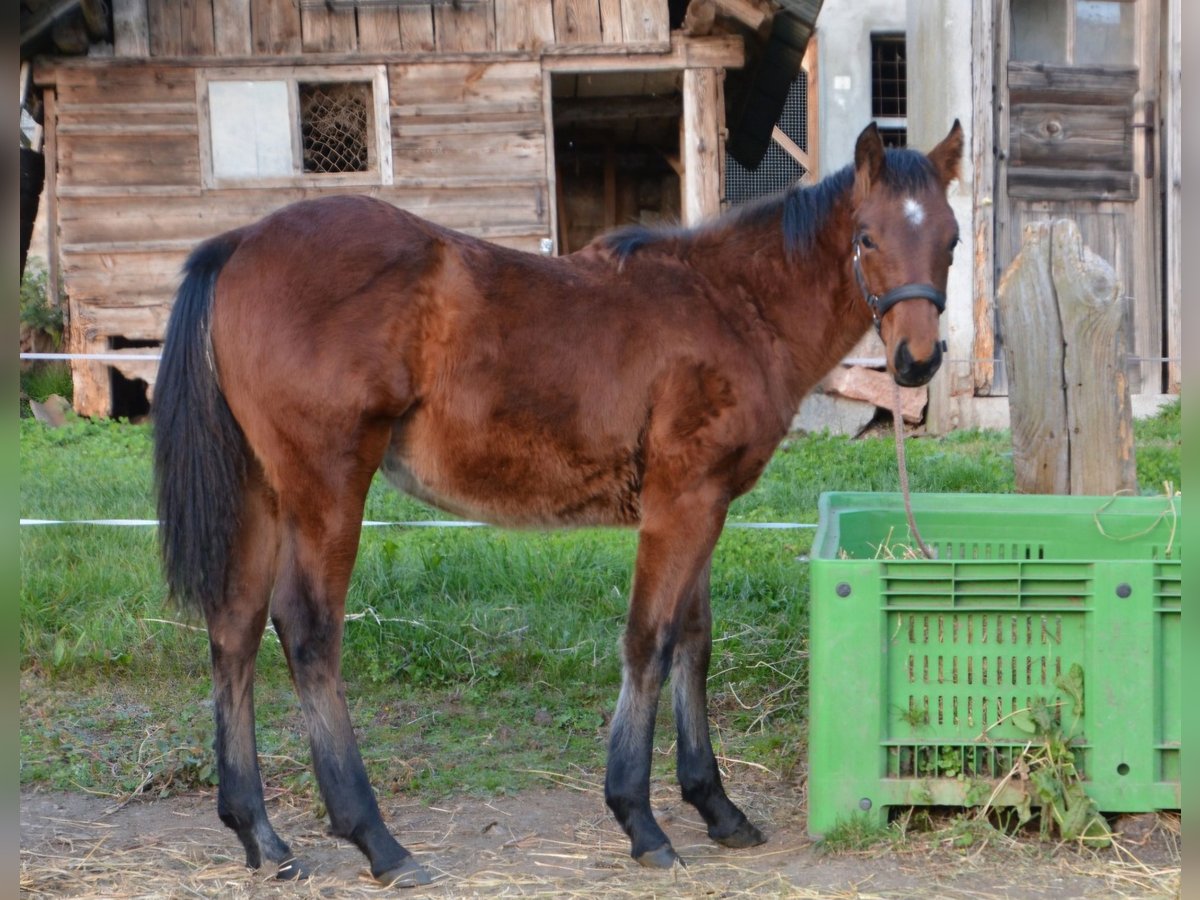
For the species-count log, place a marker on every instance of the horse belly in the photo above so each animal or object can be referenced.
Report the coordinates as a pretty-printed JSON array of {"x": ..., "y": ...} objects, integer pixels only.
[{"x": 530, "y": 482}]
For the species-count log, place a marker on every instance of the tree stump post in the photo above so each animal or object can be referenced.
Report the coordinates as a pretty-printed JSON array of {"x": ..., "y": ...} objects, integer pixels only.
[{"x": 1064, "y": 345}]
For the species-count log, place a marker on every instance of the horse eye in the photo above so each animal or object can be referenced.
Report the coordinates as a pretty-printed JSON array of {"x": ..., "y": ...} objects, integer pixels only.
[
  {"x": 954, "y": 243},
  {"x": 866, "y": 242}
]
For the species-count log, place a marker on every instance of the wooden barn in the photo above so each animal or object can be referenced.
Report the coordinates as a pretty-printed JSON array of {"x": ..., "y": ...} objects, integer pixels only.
[{"x": 532, "y": 123}]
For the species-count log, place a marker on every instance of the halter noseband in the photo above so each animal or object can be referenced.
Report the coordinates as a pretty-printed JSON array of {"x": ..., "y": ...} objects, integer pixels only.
[{"x": 880, "y": 305}]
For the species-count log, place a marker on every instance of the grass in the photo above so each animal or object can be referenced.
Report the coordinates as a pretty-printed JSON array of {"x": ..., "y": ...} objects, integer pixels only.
[{"x": 463, "y": 647}]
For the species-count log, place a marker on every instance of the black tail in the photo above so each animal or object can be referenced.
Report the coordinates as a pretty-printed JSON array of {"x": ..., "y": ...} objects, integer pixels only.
[{"x": 199, "y": 450}]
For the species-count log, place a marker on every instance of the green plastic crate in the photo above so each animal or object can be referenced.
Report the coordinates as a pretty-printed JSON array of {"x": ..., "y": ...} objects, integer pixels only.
[{"x": 918, "y": 666}]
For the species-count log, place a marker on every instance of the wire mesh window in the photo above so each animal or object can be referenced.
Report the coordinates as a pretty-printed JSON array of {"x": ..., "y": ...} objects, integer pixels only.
[
  {"x": 889, "y": 87},
  {"x": 778, "y": 170},
  {"x": 335, "y": 126}
]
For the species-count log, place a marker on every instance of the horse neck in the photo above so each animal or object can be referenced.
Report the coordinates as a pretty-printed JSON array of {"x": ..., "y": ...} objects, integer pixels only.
[{"x": 808, "y": 298}]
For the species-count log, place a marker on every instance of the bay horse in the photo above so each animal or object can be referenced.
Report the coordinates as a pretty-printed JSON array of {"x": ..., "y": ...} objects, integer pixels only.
[{"x": 643, "y": 381}]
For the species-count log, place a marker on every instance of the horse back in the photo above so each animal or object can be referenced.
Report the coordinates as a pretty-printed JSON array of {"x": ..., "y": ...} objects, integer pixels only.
[{"x": 519, "y": 389}]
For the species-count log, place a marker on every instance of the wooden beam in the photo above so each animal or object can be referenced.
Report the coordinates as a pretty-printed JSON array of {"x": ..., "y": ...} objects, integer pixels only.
[
  {"x": 790, "y": 147},
  {"x": 712, "y": 52},
  {"x": 983, "y": 183},
  {"x": 699, "y": 140},
  {"x": 50, "y": 191},
  {"x": 576, "y": 110},
  {"x": 751, "y": 14}
]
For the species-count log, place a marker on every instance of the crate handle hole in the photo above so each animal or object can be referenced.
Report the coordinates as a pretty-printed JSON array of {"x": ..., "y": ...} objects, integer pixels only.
[{"x": 1123, "y": 769}]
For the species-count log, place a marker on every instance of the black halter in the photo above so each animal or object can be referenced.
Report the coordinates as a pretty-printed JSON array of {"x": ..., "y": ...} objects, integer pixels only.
[{"x": 880, "y": 305}]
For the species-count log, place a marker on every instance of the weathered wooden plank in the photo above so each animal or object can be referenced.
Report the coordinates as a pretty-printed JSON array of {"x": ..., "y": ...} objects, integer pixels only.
[
  {"x": 644, "y": 21},
  {"x": 131, "y": 28},
  {"x": 1099, "y": 413},
  {"x": 51, "y": 189},
  {"x": 379, "y": 29},
  {"x": 325, "y": 30},
  {"x": 983, "y": 183},
  {"x": 680, "y": 52},
  {"x": 416, "y": 29},
  {"x": 1042, "y": 184},
  {"x": 577, "y": 22},
  {"x": 521, "y": 155},
  {"x": 1033, "y": 347},
  {"x": 141, "y": 83},
  {"x": 128, "y": 190},
  {"x": 196, "y": 27},
  {"x": 465, "y": 29},
  {"x": 166, "y": 27},
  {"x": 127, "y": 130},
  {"x": 137, "y": 159},
  {"x": 117, "y": 116},
  {"x": 526, "y": 25},
  {"x": 275, "y": 27},
  {"x": 611, "y": 31},
  {"x": 700, "y": 140},
  {"x": 1057, "y": 136},
  {"x": 117, "y": 223},
  {"x": 232, "y": 26},
  {"x": 479, "y": 123},
  {"x": 1040, "y": 82},
  {"x": 468, "y": 87}
]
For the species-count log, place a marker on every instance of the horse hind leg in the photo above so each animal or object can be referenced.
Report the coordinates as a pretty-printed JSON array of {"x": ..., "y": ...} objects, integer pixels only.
[
  {"x": 235, "y": 629},
  {"x": 696, "y": 766},
  {"x": 317, "y": 556}
]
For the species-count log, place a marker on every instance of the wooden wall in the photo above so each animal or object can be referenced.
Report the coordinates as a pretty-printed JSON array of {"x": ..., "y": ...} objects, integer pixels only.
[
  {"x": 471, "y": 136},
  {"x": 468, "y": 150},
  {"x": 240, "y": 28}
]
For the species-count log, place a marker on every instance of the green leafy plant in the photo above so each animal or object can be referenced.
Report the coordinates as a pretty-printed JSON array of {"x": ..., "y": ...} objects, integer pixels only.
[
  {"x": 38, "y": 311},
  {"x": 1047, "y": 773}
]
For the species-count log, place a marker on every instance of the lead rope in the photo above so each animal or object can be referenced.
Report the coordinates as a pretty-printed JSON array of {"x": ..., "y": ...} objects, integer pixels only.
[{"x": 898, "y": 421}]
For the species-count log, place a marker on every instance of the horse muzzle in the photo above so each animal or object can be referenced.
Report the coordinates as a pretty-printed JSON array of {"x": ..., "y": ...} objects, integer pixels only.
[{"x": 910, "y": 372}]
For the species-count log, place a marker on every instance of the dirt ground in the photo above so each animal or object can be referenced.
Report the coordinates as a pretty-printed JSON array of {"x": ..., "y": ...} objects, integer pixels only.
[{"x": 558, "y": 841}]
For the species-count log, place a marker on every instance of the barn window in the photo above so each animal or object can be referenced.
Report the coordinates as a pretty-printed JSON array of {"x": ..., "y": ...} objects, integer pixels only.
[
  {"x": 296, "y": 125},
  {"x": 889, "y": 88},
  {"x": 335, "y": 126}
]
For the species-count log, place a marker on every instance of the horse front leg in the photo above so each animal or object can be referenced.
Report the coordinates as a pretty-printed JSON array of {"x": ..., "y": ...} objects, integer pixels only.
[
  {"x": 674, "y": 545},
  {"x": 696, "y": 766}
]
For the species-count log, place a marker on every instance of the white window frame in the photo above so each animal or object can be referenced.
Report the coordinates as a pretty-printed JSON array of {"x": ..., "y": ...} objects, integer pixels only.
[{"x": 292, "y": 77}]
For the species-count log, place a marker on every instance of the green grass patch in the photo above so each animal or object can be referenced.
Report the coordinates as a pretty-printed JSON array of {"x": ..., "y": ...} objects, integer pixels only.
[{"x": 474, "y": 658}]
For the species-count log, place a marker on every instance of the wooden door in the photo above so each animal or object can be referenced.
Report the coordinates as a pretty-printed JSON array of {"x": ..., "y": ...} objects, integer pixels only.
[{"x": 1076, "y": 93}]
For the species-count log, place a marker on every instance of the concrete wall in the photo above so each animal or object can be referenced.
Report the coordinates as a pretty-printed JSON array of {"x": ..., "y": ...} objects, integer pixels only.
[
  {"x": 844, "y": 70},
  {"x": 940, "y": 89}
]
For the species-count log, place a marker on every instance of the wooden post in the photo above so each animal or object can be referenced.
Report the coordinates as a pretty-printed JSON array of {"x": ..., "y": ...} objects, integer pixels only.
[
  {"x": 1060, "y": 310},
  {"x": 700, "y": 140}
]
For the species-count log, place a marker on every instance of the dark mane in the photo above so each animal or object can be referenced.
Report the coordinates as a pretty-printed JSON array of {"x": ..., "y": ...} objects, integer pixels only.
[{"x": 801, "y": 211}]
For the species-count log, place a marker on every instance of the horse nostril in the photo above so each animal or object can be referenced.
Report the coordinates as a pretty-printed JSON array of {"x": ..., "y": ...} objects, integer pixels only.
[{"x": 913, "y": 373}]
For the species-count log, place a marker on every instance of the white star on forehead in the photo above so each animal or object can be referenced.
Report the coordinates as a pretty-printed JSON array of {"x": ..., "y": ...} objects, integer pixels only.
[{"x": 914, "y": 211}]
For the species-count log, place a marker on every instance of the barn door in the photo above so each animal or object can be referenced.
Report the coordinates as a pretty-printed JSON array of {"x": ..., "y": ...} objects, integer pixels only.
[{"x": 1075, "y": 137}]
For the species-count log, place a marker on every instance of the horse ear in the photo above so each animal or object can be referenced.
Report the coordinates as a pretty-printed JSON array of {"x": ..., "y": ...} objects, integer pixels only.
[
  {"x": 947, "y": 155},
  {"x": 868, "y": 159}
]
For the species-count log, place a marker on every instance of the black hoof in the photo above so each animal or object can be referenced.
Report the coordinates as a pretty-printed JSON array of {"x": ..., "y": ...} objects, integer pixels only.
[
  {"x": 292, "y": 870},
  {"x": 663, "y": 857},
  {"x": 409, "y": 873},
  {"x": 745, "y": 835}
]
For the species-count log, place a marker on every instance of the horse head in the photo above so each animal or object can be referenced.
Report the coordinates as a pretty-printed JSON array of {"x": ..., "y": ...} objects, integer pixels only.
[{"x": 904, "y": 239}]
